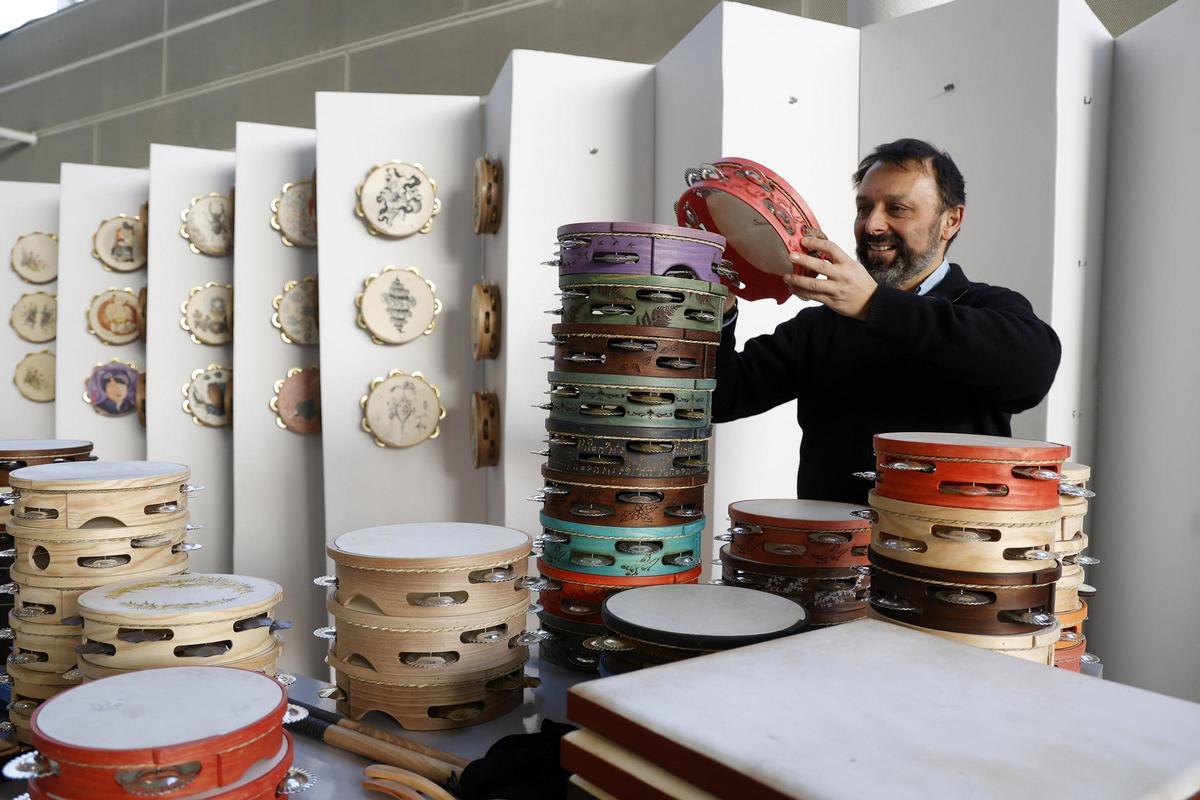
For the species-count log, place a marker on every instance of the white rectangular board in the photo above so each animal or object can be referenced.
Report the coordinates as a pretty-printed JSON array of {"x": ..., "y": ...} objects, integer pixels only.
[
  {"x": 90, "y": 195},
  {"x": 177, "y": 176},
  {"x": 365, "y": 484},
  {"x": 24, "y": 208},
  {"x": 278, "y": 501},
  {"x": 593, "y": 165}
]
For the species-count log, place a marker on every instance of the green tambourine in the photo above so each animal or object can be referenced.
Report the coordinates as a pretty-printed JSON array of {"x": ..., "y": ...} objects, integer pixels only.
[
  {"x": 644, "y": 300},
  {"x": 623, "y": 556},
  {"x": 622, "y": 400},
  {"x": 693, "y": 528}
]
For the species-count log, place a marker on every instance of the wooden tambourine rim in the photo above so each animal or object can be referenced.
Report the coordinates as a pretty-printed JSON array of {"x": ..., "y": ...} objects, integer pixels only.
[
  {"x": 755, "y": 567},
  {"x": 965, "y": 517},
  {"x": 1071, "y": 619},
  {"x": 169, "y": 617},
  {"x": 786, "y": 524},
  {"x": 487, "y": 209},
  {"x": 45, "y": 450},
  {"x": 41, "y": 478},
  {"x": 921, "y": 572},
  {"x": 447, "y": 564},
  {"x": 485, "y": 429},
  {"x": 485, "y": 321},
  {"x": 574, "y": 479},
  {"x": 613, "y": 581},
  {"x": 1042, "y": 453}
]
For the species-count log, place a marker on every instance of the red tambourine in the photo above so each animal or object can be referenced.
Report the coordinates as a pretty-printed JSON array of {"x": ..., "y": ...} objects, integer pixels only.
[
  {"x": 968, "y": 471},
  {"x": 798, "y": 533},
  {"x": 579, "y": 596},
  {"x": 761, "y": 217},
  {"x": 157, "y": 731}
]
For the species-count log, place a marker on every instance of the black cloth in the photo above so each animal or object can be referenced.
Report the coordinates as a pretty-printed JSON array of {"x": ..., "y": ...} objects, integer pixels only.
[
  {"x": 962, "y": 358},
  {"x": 523, "y": 766}
]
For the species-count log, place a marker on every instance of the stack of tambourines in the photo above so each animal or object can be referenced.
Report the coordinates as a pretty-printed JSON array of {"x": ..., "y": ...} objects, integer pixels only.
[
  {"x": 812, "y": 551},
  {"x": 185, "y": 732},
  {"x": 964, "y": 535},
  {"x": 653, "y": 625},
  {"x": 1070, "y": 607},
  {"x": 429, "y": 622},
  {"x": 629, "y": 423},
  {"x": 77, "y": 526},
  {"x": 180, "y": 620},
  {"x": 15, "y": 454}
]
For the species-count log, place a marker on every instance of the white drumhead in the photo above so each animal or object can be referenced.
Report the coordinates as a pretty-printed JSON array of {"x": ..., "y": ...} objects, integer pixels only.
[
  {"x": 798, "y": 510},
  {"x": 967, "y": 440},
  {"x": 158, "y": 707},
  {"x": 430, "y": 540},
  {"x": 701, "y": 609},
  {"x": 1073, "y": 472},
  {"x": 743, "y": 227},
  {"x": 181, "y": 594},
  {"x": 87, "y": 471},
  {"x": 8, "y": 447}
]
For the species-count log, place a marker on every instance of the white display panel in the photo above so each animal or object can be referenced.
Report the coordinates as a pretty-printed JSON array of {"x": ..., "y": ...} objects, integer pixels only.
[
  {"x": 365, "y": 484},
  {"x": 1146, "y": 516},
  {"x": 91, "y": 195},
  {"x": 1031, "y": 151},
  {"x": 592, "y": 165},
  {"x": 177, "y": 176},
  {"x": 749, "y": 82},
  {"x": 24, "y": 208},
  {"x": 279, "y": 518}
]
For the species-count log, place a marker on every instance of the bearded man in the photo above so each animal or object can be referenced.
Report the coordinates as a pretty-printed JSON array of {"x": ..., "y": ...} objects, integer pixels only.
[{"x": 902, "y": 340}]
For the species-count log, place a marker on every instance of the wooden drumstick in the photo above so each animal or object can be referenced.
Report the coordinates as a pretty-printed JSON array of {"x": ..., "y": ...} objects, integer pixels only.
[
  {"x": 376, "y": 749},
  {"x": 375, "y": 733},
  {"x": 389, "y": 774},
  {"x": 392, "y": 789}
]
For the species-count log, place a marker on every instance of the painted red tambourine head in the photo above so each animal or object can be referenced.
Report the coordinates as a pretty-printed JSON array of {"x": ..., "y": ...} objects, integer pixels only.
[{"x": 761, "y": 217}]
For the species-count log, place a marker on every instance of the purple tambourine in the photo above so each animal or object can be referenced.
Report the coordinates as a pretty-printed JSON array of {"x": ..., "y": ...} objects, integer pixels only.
[{"x": 641, "y": 248}]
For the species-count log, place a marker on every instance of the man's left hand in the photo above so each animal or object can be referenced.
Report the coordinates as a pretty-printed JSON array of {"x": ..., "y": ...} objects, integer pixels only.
[{"x": 846, "y": 288}]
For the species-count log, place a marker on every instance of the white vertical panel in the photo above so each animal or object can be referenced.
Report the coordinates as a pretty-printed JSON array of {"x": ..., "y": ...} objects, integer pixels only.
[
  {"x": 24, "y": 208},
  {"x": 278, "y": 503},
  {"x": 749, "y": 82},
  {"x": 1146, "y": 519},
  {"x": 90, "y": 195},
  {"x": 365, "y": 484},
  {"x": 177, "y": 175},
  {"x": 576, "y": 137}
]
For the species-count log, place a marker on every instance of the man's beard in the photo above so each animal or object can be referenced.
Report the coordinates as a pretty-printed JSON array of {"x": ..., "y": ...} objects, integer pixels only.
[{"x": 906, "y": 263}]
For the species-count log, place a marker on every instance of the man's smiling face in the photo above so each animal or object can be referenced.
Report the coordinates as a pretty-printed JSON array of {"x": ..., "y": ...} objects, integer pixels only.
[{"x": 900, "y": 228}]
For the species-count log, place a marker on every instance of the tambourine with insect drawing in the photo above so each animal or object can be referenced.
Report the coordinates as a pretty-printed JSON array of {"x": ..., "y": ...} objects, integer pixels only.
[
  {"x": 640, "y": 248},
  {"x": 621, "y": 502},
  {"x": 798, "y": 533},
  {"x": 761, "y": 217},
  {"x": 18, "y": 453},
  {"x": 71, "y": 495},
  {"x": 641, "y": 301},
  {"x": 618, "y": 451},
  {"x": 429, "y": 570},
  {"x": 604, "y": 400},
  {"x": 968, "y": 470},
  {"x": 634, "y": 350}
]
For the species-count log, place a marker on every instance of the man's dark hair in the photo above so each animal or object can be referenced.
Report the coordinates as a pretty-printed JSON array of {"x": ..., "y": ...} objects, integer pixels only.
[{"x": 906, "y": 153}]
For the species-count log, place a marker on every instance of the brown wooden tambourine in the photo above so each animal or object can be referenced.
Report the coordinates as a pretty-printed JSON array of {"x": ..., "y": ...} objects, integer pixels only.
[
  {"x": 1037, "y": 647},
  {"x": 1066, "y": 590},
  {"x": 564, "y": 646},
  {"x": 635, "y": 350},
  {"x": 629, "y": 502},
  {"x": 485, "y": 429},
  {"x": 485, "y": 321},
  {"x": 798, "y": 533},
  {"x": 18, "y": 453},
  {"x": 832, "y": 596},
  {"x": 38, "y": 647},
  {"x": 968, "y": 470},
  {"x": 109, "y": 551},
  {"x": 72, "y": 495},
  {"x": 429, "y": 708},
  {"x": 489, "y": 195},
  {"x": 48, "y": 601},
  {"x": 264, "y": 661}
]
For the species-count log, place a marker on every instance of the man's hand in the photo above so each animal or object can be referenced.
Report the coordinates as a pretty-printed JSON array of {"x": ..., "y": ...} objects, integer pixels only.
[{"x": 847, "y": 287}]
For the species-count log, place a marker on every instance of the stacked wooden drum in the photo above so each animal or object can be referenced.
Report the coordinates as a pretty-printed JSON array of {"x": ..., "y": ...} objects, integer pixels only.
[
  {"x": 812, "y": 551},
  {"x": 1070, "y": 605},
  {"x": 429, "y": 622},
  {"x": 962, "y": 541},
  {"x": 77, "y": 526},
  {"x": 15, "y": 454},
  {"x": 185, "y": 732},
  {"x": 630, "y": 420},
  {"x": 180, "y": 620}
]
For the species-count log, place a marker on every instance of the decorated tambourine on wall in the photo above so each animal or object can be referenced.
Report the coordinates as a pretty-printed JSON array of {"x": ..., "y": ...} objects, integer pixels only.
[
  {"x": 397, "y": 199},
  {"x": 485, "y": 429},
  {"x": 112, "y": 389},
  {"x": 489, "y": 195},
  {"x": 294, "y": 214},
  {"x": 297, "y": 400},
  {"x": 397, "y": 305},
  {"x": 485, "y": 321},
  {"x": 208, "y": 225},
  {"x": 295, "y": 314},
  {"x": 35, "y": 317},
  {"x": 208, "y": 396},
  {"x": 119, "y": 244},
  {"x": 35, "y": 257},
  {"x": 761, "y": 217},
  {"x": 34, "y": 376},
  {"x": 115, "y": 316},
  {"x": 402, "y": 410},
  {"x": 208, "y": 314}
]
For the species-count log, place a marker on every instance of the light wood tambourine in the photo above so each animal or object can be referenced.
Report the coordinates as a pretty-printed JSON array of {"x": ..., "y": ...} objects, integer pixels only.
[
  {"x": 488, "y": 203},
  {"x": 485, "y": 429},
  {"x": 71, "y": 495},
  {"x": 485, "y": 321},
  {"x": 798, "y": 533}
]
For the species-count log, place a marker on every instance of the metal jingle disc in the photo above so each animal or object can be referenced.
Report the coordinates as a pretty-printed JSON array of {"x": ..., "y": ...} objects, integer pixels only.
[
  {"x": 428, "y": 660},
  {"x": 829, "y": 538},
  {"x": 1085, "y": 590},
  {"x": 682, "y": 561},
  {"x": 639, "y": 548},
  {"x": 103, "y": 563},
  {"x": 437, "y": 601},
  {"x": 633, "y": 345},
  {"x": 679, "y": 363},
  {"x": 487, "y": 636},
  {"x": 578, "y": 609},
  {"x": 660, "y": 296},
  {"x": 961, "y": 535},
  {"x": 902, "y": 545},
  {"x": 892, "y": 603},
  {"x": 649, "y": 398},
  {"x": 496, "y": 575},
  {"x": 600, "y": 410},
  {"x": 1029, "y": 617},
  {"x": 690, "y": 414},
  {"x": 591, "y": 560},
  {"x": 640, "y": 498},
  {"x": 29, "y": 612},
  {"x": 651, "y": 448},
  {"x": 961, "y": 597},
  {"x": 554, "y": 537},
  {"x": 294, "y": 713},
  {"x": 590, "y": 510},
  {"x": 297, "y": 780},
  {"x": 599, "y": 460}
]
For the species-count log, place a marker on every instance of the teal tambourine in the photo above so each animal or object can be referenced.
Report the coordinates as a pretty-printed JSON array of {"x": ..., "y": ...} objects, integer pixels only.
[
  {"x": 693, "y": 528},
  {"x": 643, "y": 300},
  {"x": 623, "y": 556},
  {"x": 622, "y": 400}
]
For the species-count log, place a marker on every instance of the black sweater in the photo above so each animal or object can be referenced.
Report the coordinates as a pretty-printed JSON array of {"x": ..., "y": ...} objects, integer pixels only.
[{"x": 962, "y": 358}]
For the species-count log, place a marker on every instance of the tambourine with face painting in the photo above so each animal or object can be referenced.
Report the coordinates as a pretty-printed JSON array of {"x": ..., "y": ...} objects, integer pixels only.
[
  {"x": 761, "y": 217},
  {"x": 968, "y": 470},
  {"x": 621, "y": 502},
  {"x": 798, "y": 533},
  {"x": 616, "y": 451},
  {"x": 640, "y": 248},
  {"x": 633, "y": 350}
]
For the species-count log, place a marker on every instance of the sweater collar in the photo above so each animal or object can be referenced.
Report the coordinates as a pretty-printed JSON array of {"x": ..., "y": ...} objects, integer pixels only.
[{"x": 952, "y": 286}]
